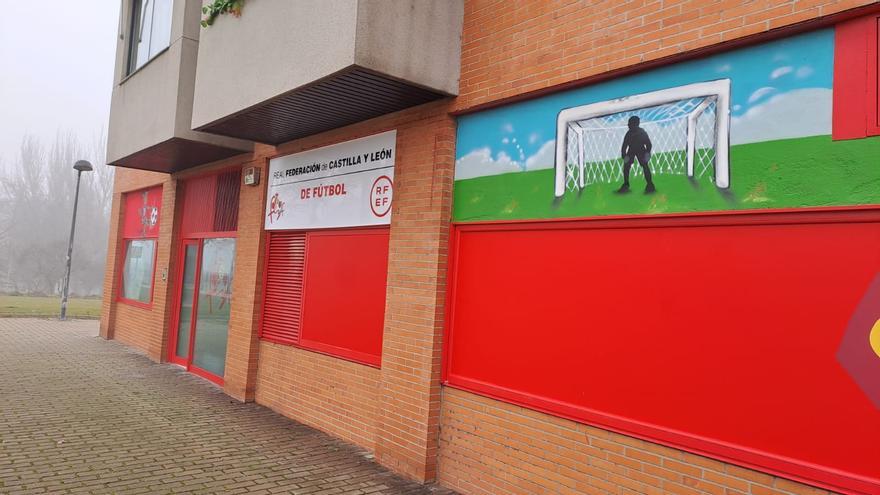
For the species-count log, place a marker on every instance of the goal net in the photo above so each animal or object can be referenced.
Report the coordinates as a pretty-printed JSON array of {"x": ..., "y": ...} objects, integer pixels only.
[{"x": 687, "y": 126}]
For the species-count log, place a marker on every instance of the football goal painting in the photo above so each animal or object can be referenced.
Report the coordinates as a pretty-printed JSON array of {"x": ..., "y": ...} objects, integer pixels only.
[
  {"x": 679, "y": 131},
  {"x": 746, "y": 129}
]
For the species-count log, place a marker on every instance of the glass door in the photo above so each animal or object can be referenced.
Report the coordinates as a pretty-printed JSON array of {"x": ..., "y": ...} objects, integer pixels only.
[
  {"x": 188, "y": 282},
  {"x": 212, "y": 312},
  {"x": 199, "y": 342}
]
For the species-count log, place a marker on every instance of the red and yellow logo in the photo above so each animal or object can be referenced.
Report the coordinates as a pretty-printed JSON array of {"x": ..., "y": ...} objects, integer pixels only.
[
  {"x": 874, "y": 338},
  {"x": 859, "y": 351}
]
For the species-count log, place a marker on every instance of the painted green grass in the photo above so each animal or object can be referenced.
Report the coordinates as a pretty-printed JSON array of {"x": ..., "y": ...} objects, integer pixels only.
[
  {"x": 812, "y": 171},
  {"x": 47, "y": 307}
]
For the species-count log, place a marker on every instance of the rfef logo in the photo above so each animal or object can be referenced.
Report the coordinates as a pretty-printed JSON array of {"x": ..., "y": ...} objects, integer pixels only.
[{"x": 380, "y": 196}]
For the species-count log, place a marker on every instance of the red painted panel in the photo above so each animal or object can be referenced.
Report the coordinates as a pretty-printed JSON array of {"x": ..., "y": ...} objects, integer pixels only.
[
  {"x": 855, "y": 104},
  {"x": 283, "y": 283},
  {"x": 142, "y": 212},
  {"x": 345, "y": 288},
  {"x": 710, "y": 334},
  {"x": 874, "y": 78}
]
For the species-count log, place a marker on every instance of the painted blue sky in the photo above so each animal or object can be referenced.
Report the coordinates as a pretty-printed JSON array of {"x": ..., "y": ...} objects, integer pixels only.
[{"x": 801, "y": 65}]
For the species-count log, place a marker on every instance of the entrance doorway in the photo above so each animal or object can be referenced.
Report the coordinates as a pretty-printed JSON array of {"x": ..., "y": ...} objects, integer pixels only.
[
  {"x": 203, "y": 314},
  {"x": 206, "y": 258}
]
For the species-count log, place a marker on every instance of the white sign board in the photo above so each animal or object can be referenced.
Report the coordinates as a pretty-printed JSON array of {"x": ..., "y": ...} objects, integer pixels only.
[{"x": 344, "y": 185}]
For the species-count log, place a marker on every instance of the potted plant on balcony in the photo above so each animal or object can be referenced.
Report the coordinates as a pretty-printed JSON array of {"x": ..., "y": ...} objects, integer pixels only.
[{"x": 218, "y": 7}]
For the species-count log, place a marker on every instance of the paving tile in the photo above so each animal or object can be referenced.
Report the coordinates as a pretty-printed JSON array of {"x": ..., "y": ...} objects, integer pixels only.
[{"x": 84, "y": 415}]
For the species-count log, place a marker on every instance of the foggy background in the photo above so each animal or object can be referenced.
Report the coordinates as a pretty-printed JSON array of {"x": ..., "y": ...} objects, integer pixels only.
[{"x": 56, "y": 76}]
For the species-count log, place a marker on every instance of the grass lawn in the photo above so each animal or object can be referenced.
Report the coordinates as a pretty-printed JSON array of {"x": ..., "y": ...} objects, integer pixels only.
[
  {"x": 790, "y": 173},
  {"x": 48, "y": 307}
]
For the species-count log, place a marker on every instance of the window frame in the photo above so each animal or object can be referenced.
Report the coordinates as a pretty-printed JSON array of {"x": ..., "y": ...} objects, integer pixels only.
[
  {"x": 132, "y": 41},
  {"x": 125, "y": 246},
  {"x": 124, "y": 240}
]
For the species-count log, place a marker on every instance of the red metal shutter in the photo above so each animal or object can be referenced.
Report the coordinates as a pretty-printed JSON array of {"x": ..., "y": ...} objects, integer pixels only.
[
  {"x": 282, "y": 307},
  {"x": 856, "y": 106},
  {"x": 874, "y": 78},
  {"x": 226, "y": 202},
  {"x": 210, "y": 204}
]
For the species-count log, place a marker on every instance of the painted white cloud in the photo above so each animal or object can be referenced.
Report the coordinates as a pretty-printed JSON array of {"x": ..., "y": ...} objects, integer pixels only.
[
  {"x": 781, "y": 71},
  {"x": 723, "y": 68},
  {"x": 505, "y": 140},
  {"x": 760, "y": 93},
  {"x": 797, "y": 113},
  {"x": 545, "y": 157},
  {"x": 480, "y": 163},
  {"x": 804, "y": 71},
  {"x": 508, "y": 127},
  {"x": 534, "y": 137}
]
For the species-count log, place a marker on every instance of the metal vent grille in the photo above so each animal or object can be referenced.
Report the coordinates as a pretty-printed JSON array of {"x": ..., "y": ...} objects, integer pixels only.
[{"x": 285, "y": 269}]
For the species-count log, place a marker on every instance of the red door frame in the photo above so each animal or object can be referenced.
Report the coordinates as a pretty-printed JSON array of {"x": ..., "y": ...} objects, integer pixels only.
[{"x": 196, "y": 239}]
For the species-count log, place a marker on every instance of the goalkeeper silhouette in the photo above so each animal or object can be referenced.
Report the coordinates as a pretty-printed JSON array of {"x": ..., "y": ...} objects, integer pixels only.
[{"x": 636, "y": 146}]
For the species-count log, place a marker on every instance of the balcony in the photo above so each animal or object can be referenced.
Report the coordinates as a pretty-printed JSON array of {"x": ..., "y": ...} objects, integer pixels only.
[
  {"x": 287, "y": 69},
  {"x": 151, "y": 106}
]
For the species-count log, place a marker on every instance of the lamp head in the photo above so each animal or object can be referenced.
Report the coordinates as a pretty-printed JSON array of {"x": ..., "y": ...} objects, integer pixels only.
[{"x": 82, "y": 166}]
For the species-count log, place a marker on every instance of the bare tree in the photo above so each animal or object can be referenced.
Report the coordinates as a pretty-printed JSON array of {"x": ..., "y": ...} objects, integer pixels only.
[{"x": 36, "y": 201}]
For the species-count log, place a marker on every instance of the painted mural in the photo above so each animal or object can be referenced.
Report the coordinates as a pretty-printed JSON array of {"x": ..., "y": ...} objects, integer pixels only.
[{"x": 746, "y": 129}]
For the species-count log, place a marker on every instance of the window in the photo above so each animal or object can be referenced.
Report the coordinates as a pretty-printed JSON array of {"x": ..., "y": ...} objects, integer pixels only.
[
  {"x": 325, "y": 291},
  {"x": 856, "y": 100},
  {"x": 150, "y": 31},
  {"x": 139, "y": 235},
  {"x": 137, "y": 270}
]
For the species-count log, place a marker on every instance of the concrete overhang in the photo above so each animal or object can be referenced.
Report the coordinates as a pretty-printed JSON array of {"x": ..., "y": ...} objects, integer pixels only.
[
  {"x": 285, "y": 70},
  {"x": 151, "y": 108}
]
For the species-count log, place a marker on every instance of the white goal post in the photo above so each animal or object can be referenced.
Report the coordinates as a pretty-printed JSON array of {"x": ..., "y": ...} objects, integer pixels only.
[{"x": 687, "y": 124}]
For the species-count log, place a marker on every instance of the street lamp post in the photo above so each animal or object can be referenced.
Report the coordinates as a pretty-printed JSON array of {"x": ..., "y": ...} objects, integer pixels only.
[{"x": 80, "y": 166}]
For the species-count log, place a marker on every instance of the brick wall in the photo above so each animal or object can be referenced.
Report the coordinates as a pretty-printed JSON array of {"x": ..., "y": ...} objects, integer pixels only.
[
  {"x": 403, "y": 431},
  {"x": 138, "y": 327},
  {"x": 336, "y": 396},
  {"x": 133, "y": 326},
  {"x": 486, "y": 446},
  {"x": 490, "y": 447},
  {"x": 510, "y": 48},
  {"x": 412, "y": 346},
  {"x": 242, "y": 342}
]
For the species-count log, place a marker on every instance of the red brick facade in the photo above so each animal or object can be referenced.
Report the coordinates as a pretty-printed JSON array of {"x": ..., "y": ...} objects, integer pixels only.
[
  {"x": 513, "y": 48},
  {"x": 337, "y": 396},
  {"x": 490, "y": 447},
  {"x": 470, "y": 443}
]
